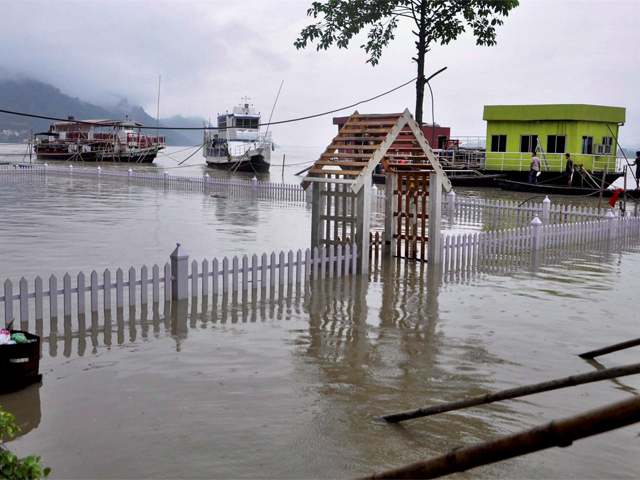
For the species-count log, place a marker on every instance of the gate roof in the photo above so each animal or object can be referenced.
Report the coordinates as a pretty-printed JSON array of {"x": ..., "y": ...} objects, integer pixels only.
[{"x": 393, "y": 139}]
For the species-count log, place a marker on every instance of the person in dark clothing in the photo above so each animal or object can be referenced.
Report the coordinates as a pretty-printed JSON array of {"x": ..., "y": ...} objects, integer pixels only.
[
  {"x": 637, "y": 164},
  {"x": 568, "y": 171}
]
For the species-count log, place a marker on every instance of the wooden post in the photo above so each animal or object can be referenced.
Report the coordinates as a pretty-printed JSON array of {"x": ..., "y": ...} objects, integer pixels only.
[
  {"x": 558, "y": 433},
  {"x": 604, "y": 175},
  {"x": 556, "y": 384},
  {"x": 610, "y": 349},
  {"x": 317, "y": 204},
  {"x": 391, "y": 206},
  {"x": 435, "y": 218},
  {"x": 180, "y": 273},
  {"x": 363, "y": 218}
]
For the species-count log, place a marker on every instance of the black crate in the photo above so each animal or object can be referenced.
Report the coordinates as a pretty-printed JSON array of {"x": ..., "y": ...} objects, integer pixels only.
[{"x": 20, "y": 364}]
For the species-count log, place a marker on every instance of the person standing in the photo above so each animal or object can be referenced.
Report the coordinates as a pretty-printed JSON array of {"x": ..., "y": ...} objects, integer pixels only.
[
  {"x": 568, "y": 171},
  {"x": 535, "y": 168},
  {"x": 637, "y": 164}
]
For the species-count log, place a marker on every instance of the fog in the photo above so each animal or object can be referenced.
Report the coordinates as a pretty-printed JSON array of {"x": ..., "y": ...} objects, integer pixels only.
[{"x": 210, "y": 54}]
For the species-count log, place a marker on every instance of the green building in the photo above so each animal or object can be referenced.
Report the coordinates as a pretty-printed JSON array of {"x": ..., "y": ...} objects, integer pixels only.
[{"x": 581, "y": 130}]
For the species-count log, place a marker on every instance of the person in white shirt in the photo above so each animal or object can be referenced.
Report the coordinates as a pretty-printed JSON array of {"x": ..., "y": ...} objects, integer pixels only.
[{"x": 535, "y": 168}]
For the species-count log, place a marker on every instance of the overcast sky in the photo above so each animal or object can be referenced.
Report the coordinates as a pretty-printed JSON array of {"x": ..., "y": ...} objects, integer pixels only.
[{"x": 210, "y": 54}]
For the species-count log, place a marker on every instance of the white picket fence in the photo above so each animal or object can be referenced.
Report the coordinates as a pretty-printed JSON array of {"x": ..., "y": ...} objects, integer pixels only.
[
  {"x": 472, "y": 209},
  {"x": 480, "y": 250},
  {"x": 280, "y": 191},
  {"x": 218, "y": 277}
]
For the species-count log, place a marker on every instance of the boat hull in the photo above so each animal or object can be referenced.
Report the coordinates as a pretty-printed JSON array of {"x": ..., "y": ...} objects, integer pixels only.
[
  {"x": 558, "y": 190},
  {"x": 556, "y": 178},
  {"x": 255, "y": 163},
  {"x": 458, "y": 180},
  {"x": 147, "y": 156}
]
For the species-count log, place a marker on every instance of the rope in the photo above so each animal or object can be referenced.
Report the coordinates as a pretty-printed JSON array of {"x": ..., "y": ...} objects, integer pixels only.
[{"x": 42, "y": 117}]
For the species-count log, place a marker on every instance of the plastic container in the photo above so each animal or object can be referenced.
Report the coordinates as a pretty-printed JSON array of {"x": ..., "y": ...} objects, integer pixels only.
[{"x": 20, "y": 364}]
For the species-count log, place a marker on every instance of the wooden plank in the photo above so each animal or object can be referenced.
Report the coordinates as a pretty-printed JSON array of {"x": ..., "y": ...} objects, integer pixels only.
[
  {"x": 290, "y": 265},
  {"x": 66, "y": 299},
  {"x": 346, "y": 173},
  {"x": 205, "y": 278},
  {"x": 194, "y": 278},
  {"x": 80, "y": 294},
  {"x": 24, "y": 300},
  {"x": 39, "y": 299},
  {"x": 167, "y": 282},
  {"x": 8, "y": 302},
  {"x": 93, "y": 295},
  {"x": 346, "y": 155},
  {"x": 155, "y": 283},
  {"x": 53, "y": 297},
  {"x": 339, "y": 163},
  {"x": 132, "y": 287},
  {"x": 234, "y": 274},
  {"x": 107, "y": 289},
  {"x": 225, "y": 275},
  {"x": 263, "y": 273},
  {"x": 119, "y": 288},
  {"x": 245, "y": 273},
  {"x": 272, "y": 269},
  {"x": 144, "y": 285},
  {"x": 281, "y": 262},
  {"x": 215, "y": 277}
]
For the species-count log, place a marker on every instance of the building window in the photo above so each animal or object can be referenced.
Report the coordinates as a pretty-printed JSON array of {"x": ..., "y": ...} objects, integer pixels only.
[
  {"x": 556, "y": 143},
  {"x": 498, "y": 143},
  {"x": 528, "y": 143},
  {"x": 607, "y": 141},
  {"x": 587, "y": 145}
]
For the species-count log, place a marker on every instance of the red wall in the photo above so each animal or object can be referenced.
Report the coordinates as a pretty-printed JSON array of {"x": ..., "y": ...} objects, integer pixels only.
[{"x": 427, "y": 130}]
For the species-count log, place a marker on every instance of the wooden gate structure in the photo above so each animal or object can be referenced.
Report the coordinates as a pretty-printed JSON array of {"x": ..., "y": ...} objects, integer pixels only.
[{"x": 341, "y": 180}]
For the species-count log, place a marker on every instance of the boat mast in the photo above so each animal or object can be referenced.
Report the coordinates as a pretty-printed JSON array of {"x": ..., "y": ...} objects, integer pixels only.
[{"x": 158, "y": 116}]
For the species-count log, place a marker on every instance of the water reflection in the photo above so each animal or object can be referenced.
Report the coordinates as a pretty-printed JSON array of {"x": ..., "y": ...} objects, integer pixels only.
[{"x": 24, "y": 405}]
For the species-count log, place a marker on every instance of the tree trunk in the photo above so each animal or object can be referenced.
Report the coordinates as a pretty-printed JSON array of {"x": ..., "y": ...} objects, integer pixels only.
[{"x": 421, "y": 45}]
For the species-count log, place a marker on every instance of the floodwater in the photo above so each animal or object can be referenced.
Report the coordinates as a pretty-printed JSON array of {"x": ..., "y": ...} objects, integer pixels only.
[{"x": 292, "y": 385}]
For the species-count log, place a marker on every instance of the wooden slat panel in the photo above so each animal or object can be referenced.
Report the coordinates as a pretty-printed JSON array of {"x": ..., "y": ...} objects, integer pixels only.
[
  {"x": 347, "y": 155},
  {"x": 339, "y": 163},
  {"x": 351, "y": 173},
  {"x": 358, "y": 139}
]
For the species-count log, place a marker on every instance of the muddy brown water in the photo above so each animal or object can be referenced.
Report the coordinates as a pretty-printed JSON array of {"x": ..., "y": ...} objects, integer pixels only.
[{"x": 292, "y": 385}]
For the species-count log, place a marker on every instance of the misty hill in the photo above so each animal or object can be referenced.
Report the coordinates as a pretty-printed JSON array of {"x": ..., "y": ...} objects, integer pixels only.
[
  {"x": 194, "y": 136},
  {"x": 31, "y": 96}
]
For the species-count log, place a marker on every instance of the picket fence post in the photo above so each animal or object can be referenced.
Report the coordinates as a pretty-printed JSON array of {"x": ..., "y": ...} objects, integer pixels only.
[
  {"x": 180, "y": 273},
  {"x": 546, "y": 204},
  {"x": 451, "y": 200},
  {"x": 610, "y": 224},
  {"x": 536, "y": 226}
]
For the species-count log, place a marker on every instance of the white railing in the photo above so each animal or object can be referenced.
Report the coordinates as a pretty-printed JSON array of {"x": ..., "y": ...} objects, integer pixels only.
[
  {"x": 281, "y": 191},
  {"x": 470, "y": 208},
  {"x": 521, "y": 161},
  {"x": 478, "y": 251},
  {"x": 218, "y": 277}
]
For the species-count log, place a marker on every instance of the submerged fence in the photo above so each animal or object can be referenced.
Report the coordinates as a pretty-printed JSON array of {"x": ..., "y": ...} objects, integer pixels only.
[
  {"x": 480, "y": 250},
  {"x": 280, "y": 191},
  {"x": 175, "y": 279}
]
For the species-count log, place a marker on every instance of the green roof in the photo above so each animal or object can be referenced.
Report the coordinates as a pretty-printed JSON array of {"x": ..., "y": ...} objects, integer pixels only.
[{"x": 577, "y": 112}]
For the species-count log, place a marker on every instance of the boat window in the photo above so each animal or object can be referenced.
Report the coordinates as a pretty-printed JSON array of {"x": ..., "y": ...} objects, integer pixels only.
[
  {"x": 607, "y": 141},
  {"x": 498, "y": 143},
  {"x": 556, "y": 143},
  {"x": 255, "y": 122},
  {"x": 528, "y": 143},
  {"x": 587, "y": 145}
]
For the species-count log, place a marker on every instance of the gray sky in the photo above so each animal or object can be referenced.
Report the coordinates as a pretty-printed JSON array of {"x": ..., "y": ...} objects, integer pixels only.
[{"x": 212, "y": 53}]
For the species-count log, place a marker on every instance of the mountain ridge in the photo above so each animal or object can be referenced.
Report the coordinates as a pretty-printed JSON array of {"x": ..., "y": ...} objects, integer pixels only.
[{"x": 39, "y": 98}]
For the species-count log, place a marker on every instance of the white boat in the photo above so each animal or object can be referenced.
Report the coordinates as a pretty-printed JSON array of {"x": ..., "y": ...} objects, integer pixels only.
[{"x": 237, "y": 144}]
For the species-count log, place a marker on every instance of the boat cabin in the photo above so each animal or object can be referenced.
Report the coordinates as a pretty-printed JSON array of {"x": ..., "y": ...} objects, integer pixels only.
[
  {"x": 587, "y": 132},
  {"x": 240, "y": 125}
]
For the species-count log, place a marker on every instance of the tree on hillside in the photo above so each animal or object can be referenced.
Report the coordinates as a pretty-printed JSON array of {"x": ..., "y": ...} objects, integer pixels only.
[{"x": 436, "y": 22}]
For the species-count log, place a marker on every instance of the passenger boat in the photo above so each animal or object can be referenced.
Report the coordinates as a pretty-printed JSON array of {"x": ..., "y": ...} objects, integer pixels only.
[
  {"x": 557, "y": 190},
  {"x": 236, "y": 144},
  {"x": 98, "y": 141}
]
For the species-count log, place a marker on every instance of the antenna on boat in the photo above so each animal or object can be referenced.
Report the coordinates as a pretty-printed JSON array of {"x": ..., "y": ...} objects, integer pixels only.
[
  {"x": 274, "y": 107},
  {"x": 158, "y": 114}
]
